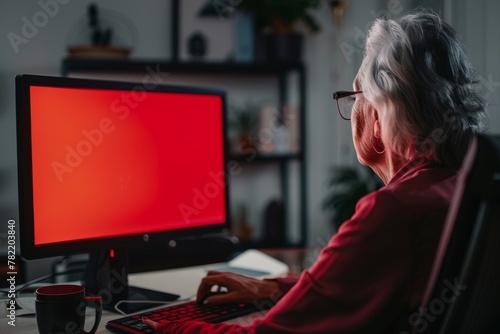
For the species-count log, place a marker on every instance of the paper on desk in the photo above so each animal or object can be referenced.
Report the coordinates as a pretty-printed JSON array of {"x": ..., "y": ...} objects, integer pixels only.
[{"x": 254, "y": 263}]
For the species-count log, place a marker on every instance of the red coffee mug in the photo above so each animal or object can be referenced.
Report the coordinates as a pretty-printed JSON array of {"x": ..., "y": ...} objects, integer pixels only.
[{"x": 61, "y": 309}]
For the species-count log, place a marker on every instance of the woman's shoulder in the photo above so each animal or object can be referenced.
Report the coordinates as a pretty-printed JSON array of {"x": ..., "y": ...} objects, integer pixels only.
[
  {"x": 419, "y": 192},
  {"x": 425, "y": 187},
  {"x": 421, "y": 170}
]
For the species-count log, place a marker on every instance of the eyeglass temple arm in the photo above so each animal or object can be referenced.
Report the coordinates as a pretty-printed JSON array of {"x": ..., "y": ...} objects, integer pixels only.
[{"x": 341, "y": 94}]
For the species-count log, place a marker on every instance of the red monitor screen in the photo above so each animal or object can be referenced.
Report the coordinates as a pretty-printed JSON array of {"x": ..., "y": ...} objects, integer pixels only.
[{"x": 110, "y": 160}]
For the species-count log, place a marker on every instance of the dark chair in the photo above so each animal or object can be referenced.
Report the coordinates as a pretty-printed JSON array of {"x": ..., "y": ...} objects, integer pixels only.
[{"x": 463, "y": 294}]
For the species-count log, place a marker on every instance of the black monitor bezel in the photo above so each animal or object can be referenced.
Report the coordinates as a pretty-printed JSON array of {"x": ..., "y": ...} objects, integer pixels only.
[{"x": 25, "y": 177}]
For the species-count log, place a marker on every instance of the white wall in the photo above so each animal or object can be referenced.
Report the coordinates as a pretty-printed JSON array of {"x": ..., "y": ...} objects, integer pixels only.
[
  {"x": 329, "y": 137},
  {"x": 478, "y": 25}
]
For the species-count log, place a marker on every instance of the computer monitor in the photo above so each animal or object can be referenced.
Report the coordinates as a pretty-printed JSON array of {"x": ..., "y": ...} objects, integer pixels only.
[{"x": 105, "y": 167}]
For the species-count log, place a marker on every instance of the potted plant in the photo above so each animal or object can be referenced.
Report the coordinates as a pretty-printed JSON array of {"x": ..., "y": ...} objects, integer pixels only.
[
  {"x": 346, "y": 186},
  {"x": 100, "y": 37},
  {"x": 242, "y": 122},
  {"x": 275, "y": 21}
]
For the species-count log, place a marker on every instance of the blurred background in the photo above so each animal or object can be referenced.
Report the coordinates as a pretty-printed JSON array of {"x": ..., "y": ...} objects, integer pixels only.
[{"x": 45, "y": 36}]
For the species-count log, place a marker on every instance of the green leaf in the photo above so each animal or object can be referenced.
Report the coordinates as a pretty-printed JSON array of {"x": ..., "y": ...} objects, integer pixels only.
[{"x": 288, "y": 12}]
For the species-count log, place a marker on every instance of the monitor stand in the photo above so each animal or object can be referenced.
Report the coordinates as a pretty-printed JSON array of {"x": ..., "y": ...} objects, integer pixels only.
[{"x": 106, "y": 275}]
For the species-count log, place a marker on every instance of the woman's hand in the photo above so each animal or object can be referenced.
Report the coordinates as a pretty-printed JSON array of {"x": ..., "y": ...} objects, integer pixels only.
[
  {"x": 156, "y": 326},
  {"x": 222, "y": 287}
]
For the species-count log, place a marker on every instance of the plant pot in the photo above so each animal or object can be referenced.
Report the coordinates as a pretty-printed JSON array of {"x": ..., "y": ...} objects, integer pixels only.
[
  {"x": 246, "y": 143},
  {"x": 274, "y": 47},
  {"x": 98, "y": 51}
]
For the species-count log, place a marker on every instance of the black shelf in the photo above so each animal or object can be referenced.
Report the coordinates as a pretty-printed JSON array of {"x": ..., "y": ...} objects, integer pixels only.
[
  {"x": 106, "y": 65},
  {"x": 264, "y": 157}
]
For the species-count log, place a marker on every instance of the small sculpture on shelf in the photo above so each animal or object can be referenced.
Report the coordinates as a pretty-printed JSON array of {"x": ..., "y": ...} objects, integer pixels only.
[
  {"x": 197, "y": 45},
  {"x": 99, "y": 35},
  {"x": 100, "y": 39}
]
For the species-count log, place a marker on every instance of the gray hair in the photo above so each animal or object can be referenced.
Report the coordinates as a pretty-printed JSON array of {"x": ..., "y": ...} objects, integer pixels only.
[{"x": 416, "y": 72}]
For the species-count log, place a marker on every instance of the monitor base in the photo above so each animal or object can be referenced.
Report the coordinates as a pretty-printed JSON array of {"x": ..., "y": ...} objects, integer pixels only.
[{"x": 106, "y": 275}]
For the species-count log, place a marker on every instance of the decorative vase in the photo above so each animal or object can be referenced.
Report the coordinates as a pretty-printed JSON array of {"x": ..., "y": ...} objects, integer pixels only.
[{"x": 278, "y": 47}]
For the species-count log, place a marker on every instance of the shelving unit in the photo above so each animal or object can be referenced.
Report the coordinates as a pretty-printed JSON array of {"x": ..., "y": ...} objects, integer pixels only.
[{"x": 281, "y": 71}]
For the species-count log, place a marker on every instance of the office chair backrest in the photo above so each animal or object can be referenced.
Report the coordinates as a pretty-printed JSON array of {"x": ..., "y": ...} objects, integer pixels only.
[{"x": 463, "y": 294}]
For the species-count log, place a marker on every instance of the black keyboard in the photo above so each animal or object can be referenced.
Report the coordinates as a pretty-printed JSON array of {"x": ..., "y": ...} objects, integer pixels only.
[{"x": 180, "y": 312}]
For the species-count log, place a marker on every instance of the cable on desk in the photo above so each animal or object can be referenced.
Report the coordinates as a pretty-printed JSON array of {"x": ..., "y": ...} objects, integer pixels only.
[{"x": 23, "y": 286}]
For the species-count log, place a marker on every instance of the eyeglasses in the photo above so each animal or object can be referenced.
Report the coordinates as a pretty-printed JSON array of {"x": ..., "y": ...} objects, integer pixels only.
[{"x": 345, "y": 102}]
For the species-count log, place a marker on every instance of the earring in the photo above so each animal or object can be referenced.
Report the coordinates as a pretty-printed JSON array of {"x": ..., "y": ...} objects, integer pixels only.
[{"x": 375, "y": 148}]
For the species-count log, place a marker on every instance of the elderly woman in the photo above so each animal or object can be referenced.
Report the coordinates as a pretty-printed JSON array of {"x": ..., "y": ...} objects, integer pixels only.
[{"x": 413, "y": 112}]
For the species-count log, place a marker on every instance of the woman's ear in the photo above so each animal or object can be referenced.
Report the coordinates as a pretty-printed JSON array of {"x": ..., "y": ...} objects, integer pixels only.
[{"x": 377, "y": 130}]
